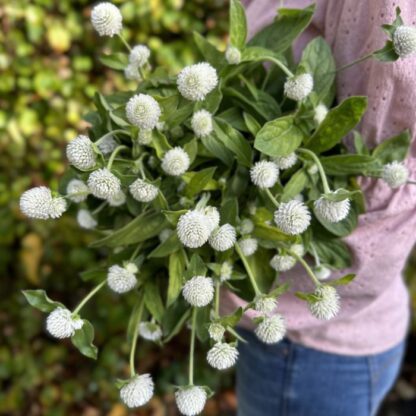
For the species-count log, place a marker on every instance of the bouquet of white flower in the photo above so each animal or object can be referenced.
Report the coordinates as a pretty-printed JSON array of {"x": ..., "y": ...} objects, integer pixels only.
[{"x": 223, "y": 176}]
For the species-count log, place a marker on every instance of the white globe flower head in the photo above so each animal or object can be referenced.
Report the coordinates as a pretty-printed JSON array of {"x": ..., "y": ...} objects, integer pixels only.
[
  {"x": 38, "y": 203},
  {"x": 248, "y": 246},
  {"x": 223, "y": 238},
  {"x": 196, "y": 81},
  {"x": 298, "y": 249},
  {"x": 132, "y": 73},
  {"x": 122, "y": 279},
  {"x": 282, "y": 262},
  {"x": 143, "y": 111},
  {"x": 233, "y": 55},
  {"x": 404, "y": 41},
  {"x": 201, "y": 123},
  {"x": 332, "y": 211},
  {"x": 222, "y": 356},
  {"x": 61, "y": 324},
  {"x": 143, "y": 191},
  {"x": 86, "y": 220},
  {"x": 226, "y": 271},
  {"x": 265, "y": 304},
  {"x": 80, "y": 153},
  {"x": 58, "y": 207},
  {"x": 321, "y": 111},
  {"x": 193, "y": 229},
  {"x": 198, "y": 291},
  {"x": 292, "y": 217},
  {"x": 191, "y": 400},
  {"x": 298, "y": 87},
  {"x": 328, "y": 305},
  {"x": 395, "y": 174},
  {"x": 150, "y": 331},
  {"x": 77, "y": 190},
  {"x": 286, "y": 162},
  {"x": 117, "y": 200},
  {"x": 106, "y": 19},
  {"x": 216, "y": 331},
  {"x": 213, "y": 217},
  {"x": 264, "y": 174},
  {"x": 271, "y": 329},
  {"x": 246, "y": 226},
  {"x": 322, "y": 272},
  {"x": 144, "y": 137},
  {"x": 165, "y": 234},
  {"x": 103, "y": 184},
  {"x": 139, "y": 55},
  {"x": 138, "y": 391},
  {"x": 175, "y": 162}
]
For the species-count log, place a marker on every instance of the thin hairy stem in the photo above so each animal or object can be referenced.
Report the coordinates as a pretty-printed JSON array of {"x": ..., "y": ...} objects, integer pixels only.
[
  {"x": 117, "y": 150},
  {"x": 136, "y": 336},
  {"x": 271, "y": 197},
  {"x": 217, "y": 298},
  {"x": 243, "y": 258},
  {"x": 359, "y": 60},
  {"x": 192, "y": 348},
  {"x": 315, "y": 158},
  {"x": 88, "y": 297},
  {"x": 306, "y": 267},
  {"x": 125, "y": 43},
  {"x": 111, "y": 133}
]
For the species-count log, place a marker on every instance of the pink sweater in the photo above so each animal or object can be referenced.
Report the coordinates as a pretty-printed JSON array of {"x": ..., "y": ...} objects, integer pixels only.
[{"x": 375, "y": 306}]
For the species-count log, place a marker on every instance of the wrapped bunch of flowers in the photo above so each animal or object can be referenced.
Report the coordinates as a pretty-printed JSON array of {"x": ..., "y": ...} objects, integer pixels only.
[{"x": 218, "y": 178}]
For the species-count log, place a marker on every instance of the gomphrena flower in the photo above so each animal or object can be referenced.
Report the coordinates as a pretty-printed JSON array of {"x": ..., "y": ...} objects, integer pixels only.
[
  {"x": 216, "y": 331},
  {"x": 298, "y": 87},
  {"x": 117, "y": 200},
  {"x": 132, "y": 73},
  {"x": 143, "y": 191},
  {"x": 404, "y": 41},
  {"x": 77, "y": 190},
  {"x": 196, "y": 81},
  {"x": 107, "y": 145},
  {"x": 175, "y": 162},
  {"x": 122, "y": 279},
  {"x": 223, "y": 238},
  {"x": 86, "y": 220},
  {"x": 150, "y": 331},
  {"x": 332, "y": 211},
  {"x": 286, "y": 162},
  {"x": 264, "y": 174},
  {"x": 198, "y": 291},
  {"x": 103, "y": 184},
  {"x": 138, "y": 391},
  {"x": 282, "y": 262},
  {"x": 106, "y": 19},
  {"x": 328, "y": 305},
  {"x": 80, "y": 153},
  {"x": 271, "y": 329},
  {"x": 143, "y": 111},
  {"x": 320, "y": 113},
  {"x": 246, "y": 226},
  {"x": 233, "y": 55},
  {"x": 193, "y": 229},
  {"x": 226, "y": 271},
  {"x": 201, "y": 123},
  {"x": 39, "y": 203},
  {"x": 61, "y": 324},
  {"x": 292, "y": 217},
  {"x": 265, "y": 304},
  {"x": 191, "y": 400},
  {"x": 248, "y": 246},
  {"x": 139, "y": 55},
  {"x": 322, "y": 272},
  {"x": 165, "y": 234},
  {"x": 395, "y": 174},
  {"x": 144, "y": 137},
  {"x": 222, "y": 356},
  {"x": 213, "y": 217}
]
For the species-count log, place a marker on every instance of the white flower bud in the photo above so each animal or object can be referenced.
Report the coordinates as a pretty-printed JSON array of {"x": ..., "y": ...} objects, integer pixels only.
[
  {"x": 198, "y": 291},
  {"x": 132, "y": 73},
  {"x": 193, "y": 229},
  {"x": 175, "y": 162},
  {"x": 122, "y": 279},
  {"x": 143, "y": 111},
  {"x": 320, "y": 113},
  {"x": 106, "y": 19},
  {"x": 271, "y": 329},
  {"x": 196, "y": 81},
  {"x": 150, "y": 331},
  {"x": 216, "y": 332},
  {"x": 117, "y": 200},
  {"x": 298, "y": 249},
  {"x": 246, "y": 226},
  {"x": 144, "y": 137},
  {"x": 39, "y": 203},
  {"x": 299, "y": 87},
  {"x": 226, "y": 271},
  {"x": 286, "y": 162},
  {"x": 282, "y": 262},
  {"x": 143, "y": 191},
  {"x": 213, "y": 217},
  {"x": 248, "y": 246},
  {"x": 395, "y": 174},
  {"x": 138, "y": 391},
  {"x": 222, "y": 356},
  {"x": 404, "y": 41},
  {"x": 139, "y": 55},
  {"x": 165, "y": 234},
  {"x": 233, "y": 55},
  {"x": 264, "y": 174},
  {"x": 80, "y": 153},
  {"x": 328, "y": 305},
  {"x": 223, "y": 238},
  {"x": 331, "y": 211},
  {"x": 86, "y": 220},
  {"x": 103, "y": 184},
  {"x": 61, "y": 324},
  {"x": 191, "y": 400},
  {"x": 322, "y": 272},
  {"x": 292, "y": 217},
  {"x": 201, "y": 123},
  {"x": 77, "y": 191},
  {"x": 265, "y": 305}
]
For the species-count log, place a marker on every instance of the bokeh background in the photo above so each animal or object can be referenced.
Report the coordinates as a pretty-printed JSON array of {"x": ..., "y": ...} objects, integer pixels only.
[{"x": 49, "y": 72}]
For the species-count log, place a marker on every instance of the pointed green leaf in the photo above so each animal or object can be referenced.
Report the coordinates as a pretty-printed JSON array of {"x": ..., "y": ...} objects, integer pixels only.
[
  {"x": 395, "y": 148},
  {"x": 39, "y": 300},
  {"x": 238, "y": 24},
  {"x": 153, "y": 299},
  {"x": 83, "y": 338},
  {"x": 345, "y": 280},
  {"x": 177, "y": 262},
  {"x": 199, "y": 181}
]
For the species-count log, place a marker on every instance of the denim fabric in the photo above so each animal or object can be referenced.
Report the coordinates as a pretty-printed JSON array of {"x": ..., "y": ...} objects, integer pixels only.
[{"x": 288, "y": 379}]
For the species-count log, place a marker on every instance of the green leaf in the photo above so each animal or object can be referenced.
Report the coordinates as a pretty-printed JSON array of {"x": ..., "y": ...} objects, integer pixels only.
[
  {"x": 238, "y": 24},
  {"x": 115, "y": 61},
  {"x": 196, "y": 267},
  {"x": 233, "y": 319},
  {"x": 359, "y": 144},
  {"x": 217, "y": 149},
  {"x": 39, "y": 300},
  {"x": 211, "y": 102},
  {"x": 177, "y": 263},
  {"x": 344, "y": 227},
  {"x": 395, "y": 148},
  {"x": 210, "y": 53},
  {"x": 159, "y": 143},
  {"x": 166, "y": 248},
  {"x": 202, "y": 321},
  {"x": 153, "y": 300},
  {"x": 252, "y": 124},
  {"x": 96, "y": 274},
  {"x": 345, "y": 280},
  {"x": 334, "y": 252},
  {"x": 268, "y": 232},
  {"x": 295, "y": 185},
  {"x": 135, "y": 317},
  {"x": 173, "y": 216},
  {"x": 349, "y": 164},
  {"x": 199, "y": 181},
  {"x": 386, "y": 53},
  {"x": 229, "y": 211},
  {"x": 338, "y": 122},
  {"x": 257, "y": 53},
  {"x": 191, "y": 148},
  {"x": 279, "y": 290},
  {"x": 279, "y": 137},
  {"x": 83, "y": 338},
  {"x": 308, "y": 297}
]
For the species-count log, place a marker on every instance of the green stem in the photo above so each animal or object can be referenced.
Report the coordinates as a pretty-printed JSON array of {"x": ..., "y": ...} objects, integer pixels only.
[
  {"x": 217, "y": 298},
  {"x": 88, "y": 297},
  {"x": 315, "y": 255},
  {"x": 306, "y": 267},
  {"x": 359, "y": 60},
  {"x": 271, "y": 197},
  {"x": 136, "y": 336},
  {"x": 141, "y": 73},
  {"x": 114, "y": 154},
  {"x": 236, "y": 334},
  {"x": 111, "y": 133},
  {"x": 257, "y": 291},
  {"x": 125, "y": 43},
  {"x": 283, "y": 67},
  {"x": 315, "y": 158},
  {"x": 136, "y": 251},
  {"x": 192, "y": 348},
  {"x": 99, "y": 208}
]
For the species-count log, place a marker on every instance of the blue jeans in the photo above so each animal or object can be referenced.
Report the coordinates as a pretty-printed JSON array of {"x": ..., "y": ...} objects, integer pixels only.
[{"x": 288, "y": 379}]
